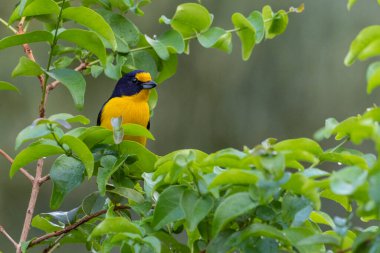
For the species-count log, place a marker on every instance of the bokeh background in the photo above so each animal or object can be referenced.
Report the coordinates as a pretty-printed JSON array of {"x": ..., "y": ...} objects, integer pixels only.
[{"x": 286, "y": 90}]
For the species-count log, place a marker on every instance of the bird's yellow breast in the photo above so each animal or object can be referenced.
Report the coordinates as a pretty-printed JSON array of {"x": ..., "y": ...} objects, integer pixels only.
[{"x": 132, "y": 109}]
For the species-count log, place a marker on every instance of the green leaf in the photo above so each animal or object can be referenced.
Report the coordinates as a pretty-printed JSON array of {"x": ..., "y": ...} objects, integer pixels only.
[
  {"x": 351, "y": 3},
  {"x": 30, "y": 133},
  {"x": 235, "y": 176},
  {"x": 195, "y": 207},
  {"x": 347, "y": 180},
  {"x": 322, "y": 218},
  {"x": 320, "y": 239},
  {"x": 262, "y": 230},
  {"x": 27, "y": 67},
  {"x": 152, "y": 101},
  {"x": 167, "y": 69},
  {"x": 82, "y": 151},
  {"x": 216, "y": 37},
  {"x": 168, "y": 207},
  {"x": 191, "y": 18},
  {"x": 128, "y": 193},
  {"x": 92, "y": 20},
  {"x": 154, "y": 243},
  {"x": 159, "y": 47},
  {"x": 126, "y": 33},
  {"x": 35, "y": 151},
  {"x": 146, "y": 158},
  {"x": 230, "y": 208},
  {"x": 295, "y": 235},
  {"x": 85, "y": 39},
  {"x": 19, "y": 39},
  {"x": 373, "y": 76},
  {"x": 105, "y": 171},
  {"x": 34, "y": 8},
  {"x": 344, "y": 158},
  {"x": 73, "y": 81},
  {"x": 299, "y": 144},
  {"x": 66, "y": 174},
  {"x": 44, "y": 224},
  {"x": 256, "y": 19},
  {"x": 8, "y": 86},
  {"x": 141, "y": 60},
  {"x": 137, "y": 130},
  {"x": 246, "y": 33},
  {"x": 114, "y": 225},
  {"x": 278, "y": 25},
  {"x": 173, "y": 41},
  {"x": 365, "y": 45},
  {"x": 70, "y": 118}
]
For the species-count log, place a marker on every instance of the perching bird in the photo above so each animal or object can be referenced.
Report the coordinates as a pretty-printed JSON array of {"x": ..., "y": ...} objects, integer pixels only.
[{"x": 129, "y": 100}]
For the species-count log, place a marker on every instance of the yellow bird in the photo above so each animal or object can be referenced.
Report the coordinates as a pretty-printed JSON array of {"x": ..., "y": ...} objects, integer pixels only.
[{"x": 129, "y": 100}]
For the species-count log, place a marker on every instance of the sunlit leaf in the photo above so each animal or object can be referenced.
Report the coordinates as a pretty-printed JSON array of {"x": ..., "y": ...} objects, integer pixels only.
[
  {"x": 30, "y": 133},
  {"x": 34, "y": 8},
  {"x": 8, "y": 86},
  {"x": 114, "y": 225},
  {"x": 246, "y": 33},
  {"x": 19, "y": 39}
]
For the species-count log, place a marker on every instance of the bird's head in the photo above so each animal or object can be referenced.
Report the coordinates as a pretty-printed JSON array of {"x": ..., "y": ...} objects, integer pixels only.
[{"x": 132, "y": 83}]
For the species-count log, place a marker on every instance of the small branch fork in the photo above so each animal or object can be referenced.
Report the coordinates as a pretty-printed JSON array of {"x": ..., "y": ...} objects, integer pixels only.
[
  {"x": 2, "y": 231},
  {"x": 72, "y": 226}
]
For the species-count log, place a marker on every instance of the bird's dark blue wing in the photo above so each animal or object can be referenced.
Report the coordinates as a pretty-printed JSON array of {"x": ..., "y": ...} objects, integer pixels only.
[
  {"x": 98, "y": 121},
  {"x": 148, "y": 126}
]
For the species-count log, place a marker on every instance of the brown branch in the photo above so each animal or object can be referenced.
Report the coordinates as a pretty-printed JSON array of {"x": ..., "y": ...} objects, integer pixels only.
[
  {"x": 23, "y": 171},
  {"x": 72, "y": 226},
  {"x": 44, "y": 179},
  {"x": 27, "y": 49},
  {"x": 32, "y": 203},
  {"x": 2, "y": 231},
  {"x": 80, "y": 67}
]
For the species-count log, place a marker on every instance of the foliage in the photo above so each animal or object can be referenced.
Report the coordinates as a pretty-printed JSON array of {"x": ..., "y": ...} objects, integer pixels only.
[{"x": 268, "y": 198}]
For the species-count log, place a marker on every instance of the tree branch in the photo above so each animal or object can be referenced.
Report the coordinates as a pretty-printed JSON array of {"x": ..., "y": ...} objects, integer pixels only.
[
  {"x": 22, "y": 170},
  {"x": 27, "y": 49},
  {"x": 2, "y": 231},
  {"x": 44, "y": 179},
  {"x": 72, "y": 226}
]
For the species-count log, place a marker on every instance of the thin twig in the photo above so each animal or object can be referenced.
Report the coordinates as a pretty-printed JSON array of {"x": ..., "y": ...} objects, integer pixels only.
[
  {"x": 44, "y": 179},
  {"x": 7, "y": 25},
  {"x": 2, "y": 231},
  {"x": 72, "y": 226},
  {"x": 22, "y": 170},
  {"x": 54, "y": 245}
]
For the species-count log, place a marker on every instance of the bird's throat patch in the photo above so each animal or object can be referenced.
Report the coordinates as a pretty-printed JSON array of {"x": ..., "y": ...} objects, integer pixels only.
[{"x": 143, "y": 77}]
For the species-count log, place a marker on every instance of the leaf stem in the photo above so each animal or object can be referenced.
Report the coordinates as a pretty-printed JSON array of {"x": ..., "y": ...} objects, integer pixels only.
[
  {"x": 8, "y": 25},
  {"x": 2, "y": 231}
]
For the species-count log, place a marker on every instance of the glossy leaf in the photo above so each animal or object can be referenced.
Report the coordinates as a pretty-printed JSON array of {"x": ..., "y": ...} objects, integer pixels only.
[
  {"x": 141, "y": 60},
  {"x": 27, "y": 67},
  {"x": 167, "y": 69},
  {"x": 66, "y": 174},
  {"x": 114, "y": 225},
  {"x": 246, "y": 33},
  {"x": 91, "y": 19},
  {"x": 191, "y": 18},
  {"x": 82, "y": 151},
  {"x": 195, "y": 207},
  {"x": 278, "y": 25},
  {"x": 19, "y": 39},
  {"x": 85, "y": 39},
  {"x": 73, "y": 81},
  {"x": 70, "y": 118},
  {"x": 173, "y": 41},
  {"x": 146, "y": 158},
  {"x": 168, "y": 207},
  {"x": 216, "y": 37},
  {"x": 365, "y": 45},
  {"x": 33, "y": 152},
  {"x": 8, "y": 86},
  {"x": 301, "y": 144},
  {"x": 130, "y": 194},
  {"x": 373, "y": 77},
  {"x": 230, "y": 208},
  {"x": 30, "y": 133},
  {"x": 344, "y": 158},
  {"x": 44, "y": 224}
]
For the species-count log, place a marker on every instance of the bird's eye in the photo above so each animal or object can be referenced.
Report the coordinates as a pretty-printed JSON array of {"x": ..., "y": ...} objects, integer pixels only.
[{"x": 134, "y": 80}]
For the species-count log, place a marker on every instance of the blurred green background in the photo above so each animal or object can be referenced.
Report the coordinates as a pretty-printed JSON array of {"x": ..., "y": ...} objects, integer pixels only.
[{"x": 286, "y": 90}]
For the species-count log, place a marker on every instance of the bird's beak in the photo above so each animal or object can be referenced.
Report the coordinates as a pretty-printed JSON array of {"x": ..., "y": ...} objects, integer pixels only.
[{"x": 148, "y": 85}]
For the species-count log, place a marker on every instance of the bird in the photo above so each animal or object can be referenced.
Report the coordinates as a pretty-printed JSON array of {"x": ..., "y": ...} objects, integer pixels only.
[{"x": 129, "y": 100}]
